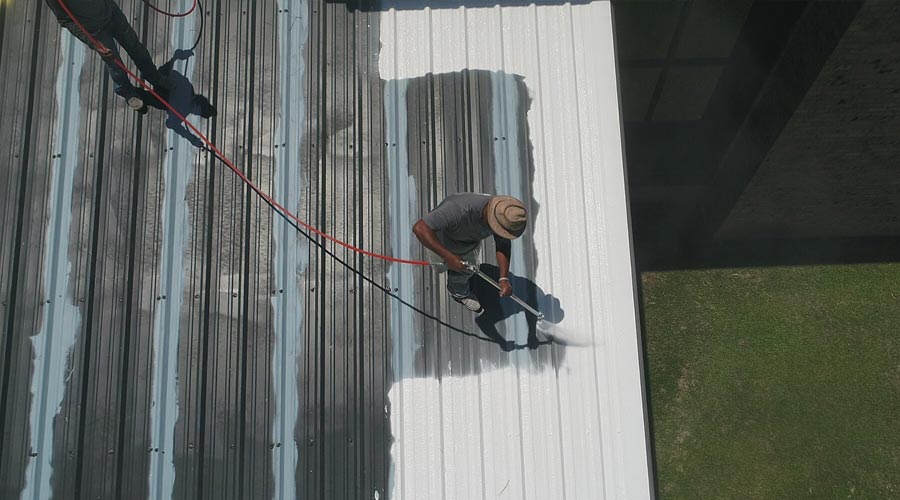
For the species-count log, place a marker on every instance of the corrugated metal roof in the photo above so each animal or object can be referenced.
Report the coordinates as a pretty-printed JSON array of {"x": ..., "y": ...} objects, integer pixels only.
[{"x": 166, "y": 335}]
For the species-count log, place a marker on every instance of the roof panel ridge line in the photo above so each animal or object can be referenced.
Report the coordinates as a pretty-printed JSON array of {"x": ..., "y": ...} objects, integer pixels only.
[
  {"x": 61, "y": 318},
  {"x": 287, "y": 252},
  {"x": 175, "y": 219}
]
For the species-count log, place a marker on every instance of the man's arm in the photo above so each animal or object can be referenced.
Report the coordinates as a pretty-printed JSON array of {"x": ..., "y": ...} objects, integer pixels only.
[
  {"x": 503, "y": 248},
  {"x": 429, "y": 238},
  {"x": 58, "y": 11},
  {"x": 177, "y": 126},
  {"x": 179, "y": 55}
]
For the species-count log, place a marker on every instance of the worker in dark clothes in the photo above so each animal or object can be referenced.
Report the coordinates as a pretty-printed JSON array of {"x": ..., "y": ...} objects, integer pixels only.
[
  {"x": 454, "y": 230},
  {"x": 108, "y": 25},
  {"x": 181, "y": 97}
]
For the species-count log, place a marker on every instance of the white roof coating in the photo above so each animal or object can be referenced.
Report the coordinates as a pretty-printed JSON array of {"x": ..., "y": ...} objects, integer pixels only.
[
  {"x": 577, "y": 431},
  {"x": 167, "y": 335}
]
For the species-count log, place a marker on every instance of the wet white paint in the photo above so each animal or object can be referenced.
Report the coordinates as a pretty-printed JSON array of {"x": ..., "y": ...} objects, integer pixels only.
[
  {"x": 401, "y": 192},
  {"x": 178, "y": 167},
  {"x": 402, "y": 205},
  {"x": 577, "y": 432},
  {"x": 61, "y": 318},
  {"x": 289, "y": 252}
]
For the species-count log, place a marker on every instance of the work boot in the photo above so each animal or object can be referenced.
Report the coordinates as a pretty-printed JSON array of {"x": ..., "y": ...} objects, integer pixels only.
[{"x": 470, "y": 303}]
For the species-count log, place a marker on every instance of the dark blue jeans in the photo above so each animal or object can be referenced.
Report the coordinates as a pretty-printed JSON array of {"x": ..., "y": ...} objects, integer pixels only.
[{"x": 118, "y": 30}]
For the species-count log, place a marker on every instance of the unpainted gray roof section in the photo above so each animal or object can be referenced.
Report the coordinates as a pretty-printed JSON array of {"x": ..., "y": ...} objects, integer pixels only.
[{"x": 167, "y": 335}]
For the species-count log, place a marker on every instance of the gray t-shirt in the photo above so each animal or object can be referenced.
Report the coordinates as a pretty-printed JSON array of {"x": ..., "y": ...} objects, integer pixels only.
[{"x": 459, "y": 221}]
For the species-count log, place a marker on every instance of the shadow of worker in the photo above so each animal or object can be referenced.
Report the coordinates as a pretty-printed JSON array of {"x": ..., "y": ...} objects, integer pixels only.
[
  {"x": 497, "y": 309},
  {"x": 180, "y": 96}
]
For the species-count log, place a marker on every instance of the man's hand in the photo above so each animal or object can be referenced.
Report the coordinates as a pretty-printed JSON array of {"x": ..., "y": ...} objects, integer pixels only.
[
  {"x": 182, "y": 54},
  {"x": 429, "y": 238},
  {"x": 456, "y": 264},
  {"x": 505, "y": 288}
]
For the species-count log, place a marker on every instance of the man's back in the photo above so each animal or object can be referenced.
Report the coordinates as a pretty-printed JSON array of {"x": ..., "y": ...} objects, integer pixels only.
[
  {"x": 92, "y": 14},
  {"x": 459, "y": 222}
]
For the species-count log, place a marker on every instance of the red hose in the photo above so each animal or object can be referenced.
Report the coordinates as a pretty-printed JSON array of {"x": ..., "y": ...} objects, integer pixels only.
[{"x": 262, "y": 194}]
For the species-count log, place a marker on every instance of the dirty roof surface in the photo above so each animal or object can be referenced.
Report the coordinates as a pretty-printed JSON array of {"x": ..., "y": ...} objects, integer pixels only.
[{"x": 167, "y": 335}]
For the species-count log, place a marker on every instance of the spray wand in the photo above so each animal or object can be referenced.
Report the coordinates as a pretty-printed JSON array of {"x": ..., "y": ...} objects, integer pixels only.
[{"x": 537, "y": 314}]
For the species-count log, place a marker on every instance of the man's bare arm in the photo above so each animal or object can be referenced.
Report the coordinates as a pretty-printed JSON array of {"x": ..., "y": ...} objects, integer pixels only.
[
  {"x": 503, "y": 250},
  {"x": 429, "y": 238}
]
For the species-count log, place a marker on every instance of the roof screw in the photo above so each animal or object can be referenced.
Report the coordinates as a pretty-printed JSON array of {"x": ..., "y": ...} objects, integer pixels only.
[{"x": 234, "y": 294}]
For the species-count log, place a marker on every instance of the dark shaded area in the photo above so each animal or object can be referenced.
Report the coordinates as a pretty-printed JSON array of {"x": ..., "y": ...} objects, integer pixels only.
[
  {"x": 181, "y": 96},
  {"x": 706, "y": 99},
  {"x": 497, "y": 309}
]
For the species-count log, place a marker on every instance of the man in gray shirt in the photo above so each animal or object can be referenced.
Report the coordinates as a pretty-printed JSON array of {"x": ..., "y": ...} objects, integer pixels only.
[{"x": 454, "y": 230}]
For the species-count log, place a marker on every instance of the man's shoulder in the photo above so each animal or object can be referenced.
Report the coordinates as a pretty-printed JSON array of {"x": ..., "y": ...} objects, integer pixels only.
[{"x": 464, "y": 200}]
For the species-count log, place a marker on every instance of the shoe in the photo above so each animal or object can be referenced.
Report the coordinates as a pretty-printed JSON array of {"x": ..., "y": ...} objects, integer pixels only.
[
  {"x": 470, "y": 303},
  {"x": 135, "y": 103}
]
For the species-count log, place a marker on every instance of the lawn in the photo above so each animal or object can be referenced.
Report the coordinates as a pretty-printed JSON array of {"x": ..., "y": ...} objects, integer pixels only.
[{"x": 775, "y": 383}]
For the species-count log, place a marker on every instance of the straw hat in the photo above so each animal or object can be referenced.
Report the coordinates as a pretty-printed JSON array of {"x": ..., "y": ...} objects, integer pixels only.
[{"x": 507, "y": 216}]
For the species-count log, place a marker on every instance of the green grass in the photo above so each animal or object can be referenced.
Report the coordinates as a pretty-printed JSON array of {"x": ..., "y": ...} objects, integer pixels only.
[{"x": 776, "y": 383}]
